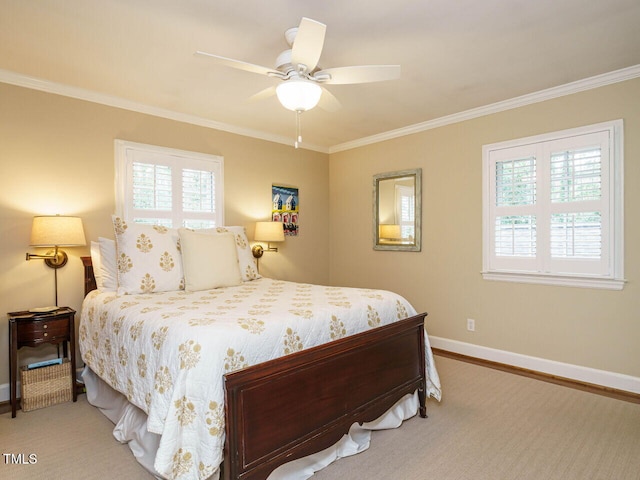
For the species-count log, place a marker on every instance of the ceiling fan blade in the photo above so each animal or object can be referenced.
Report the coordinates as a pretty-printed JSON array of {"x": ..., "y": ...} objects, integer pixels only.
[
  {"x": 328, "y": 101},
  {"x": 359, "y": 74},
  {"x": 262, "y": 94},
  {"x": 239, "y": 64},
  {"x": 308, "y": 44}
]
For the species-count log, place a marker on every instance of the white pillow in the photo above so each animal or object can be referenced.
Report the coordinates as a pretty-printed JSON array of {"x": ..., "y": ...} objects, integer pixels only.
[
  {"x": 95, "y": 261},
  {"x": 147, "y": 257},
  {"x": 248, "y": 266},
  {"x": 108, "y": 268},
  {"x": 209, "y": 261}
]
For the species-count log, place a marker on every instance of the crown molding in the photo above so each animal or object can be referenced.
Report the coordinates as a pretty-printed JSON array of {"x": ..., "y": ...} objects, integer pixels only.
[
  {"x": 34, "y": 83},
  {"x": 590, "y": 83}
]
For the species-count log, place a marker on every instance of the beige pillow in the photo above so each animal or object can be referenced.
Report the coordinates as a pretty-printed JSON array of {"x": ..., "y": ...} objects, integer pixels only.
[
  {"x": 209, "y": 261},
  {"x": 147, "y": 258},
  {"x": 248, "y": 265}
]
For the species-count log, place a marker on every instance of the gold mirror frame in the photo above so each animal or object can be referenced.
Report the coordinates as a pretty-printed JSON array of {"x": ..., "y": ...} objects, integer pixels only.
[{"x": 389, "y": 231}]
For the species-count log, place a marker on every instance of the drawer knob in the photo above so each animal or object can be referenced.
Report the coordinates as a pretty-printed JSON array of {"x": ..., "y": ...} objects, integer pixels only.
[
  {"x": 46, "y": 334},
  {"x": 46, "y": 326}
]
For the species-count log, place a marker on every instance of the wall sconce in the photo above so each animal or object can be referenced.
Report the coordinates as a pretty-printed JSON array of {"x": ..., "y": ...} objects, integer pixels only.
[
  {"x": 56, "y": 231},
  {"x": 267, "y": 232}
]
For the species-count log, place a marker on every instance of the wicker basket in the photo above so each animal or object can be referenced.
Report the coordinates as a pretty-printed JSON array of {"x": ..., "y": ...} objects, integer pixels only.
[{"x": 45, "y": 386}]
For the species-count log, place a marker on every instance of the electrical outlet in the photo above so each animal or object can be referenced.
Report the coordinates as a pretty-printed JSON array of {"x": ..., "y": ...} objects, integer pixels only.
[{"x": 471, "y": 324}]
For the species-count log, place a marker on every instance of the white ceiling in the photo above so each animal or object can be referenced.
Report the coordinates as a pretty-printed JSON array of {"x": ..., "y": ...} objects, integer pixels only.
[{"x": 455, "y": 55}]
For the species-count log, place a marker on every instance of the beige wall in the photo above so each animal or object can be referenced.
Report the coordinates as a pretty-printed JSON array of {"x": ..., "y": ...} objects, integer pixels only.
[
  {"x": 593, "y": 328},
  {"x": 56, "y": 156}
]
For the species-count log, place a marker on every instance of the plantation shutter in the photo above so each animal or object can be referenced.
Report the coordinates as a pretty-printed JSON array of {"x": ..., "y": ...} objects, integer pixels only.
[
  {"x": 513, "y": 197},
  {"x": 579, "y": 206},
  {"x": 169, "y": 187},
  {"x": 198, "y": 198},
  {"x": 576, "y": 176},
  {"x": 515, "y": 227},
  {"x": 152, "y": 193},
  {"x": 405, "y": 210},
  {"x": 548, "y": 204}
]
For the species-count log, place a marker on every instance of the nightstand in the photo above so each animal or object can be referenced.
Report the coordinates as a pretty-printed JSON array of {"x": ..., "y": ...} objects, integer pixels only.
[{"x": 28, "y": 329}]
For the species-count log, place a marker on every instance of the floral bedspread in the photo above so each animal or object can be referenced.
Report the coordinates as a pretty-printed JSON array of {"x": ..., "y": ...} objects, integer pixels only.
[{"x": 167, "y": 352}]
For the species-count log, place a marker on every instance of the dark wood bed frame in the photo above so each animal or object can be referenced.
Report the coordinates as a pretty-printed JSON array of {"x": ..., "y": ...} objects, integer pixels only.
[{"x": 302, "y": 403}]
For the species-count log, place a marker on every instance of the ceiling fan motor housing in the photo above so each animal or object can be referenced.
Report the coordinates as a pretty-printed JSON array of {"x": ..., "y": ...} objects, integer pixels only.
[
  {"x": 290, "y": 35},
  {"x": 283, "y": 62}
]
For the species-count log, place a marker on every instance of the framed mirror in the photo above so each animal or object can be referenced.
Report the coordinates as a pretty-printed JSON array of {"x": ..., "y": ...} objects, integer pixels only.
[{"x": 397, "y": 210}]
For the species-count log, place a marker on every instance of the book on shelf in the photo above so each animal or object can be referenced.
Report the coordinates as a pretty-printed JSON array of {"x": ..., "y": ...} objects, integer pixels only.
[{"x": 44, "y": 363}]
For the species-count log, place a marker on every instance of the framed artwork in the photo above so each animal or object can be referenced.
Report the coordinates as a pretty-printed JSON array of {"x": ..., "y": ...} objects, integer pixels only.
[{"x": 286, "y": 208}]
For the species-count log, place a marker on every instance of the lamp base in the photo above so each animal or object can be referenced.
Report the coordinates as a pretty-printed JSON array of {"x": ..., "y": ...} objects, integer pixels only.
[
  {"x": 58, "y": 259},
  {"x": 257, "y": 251}
]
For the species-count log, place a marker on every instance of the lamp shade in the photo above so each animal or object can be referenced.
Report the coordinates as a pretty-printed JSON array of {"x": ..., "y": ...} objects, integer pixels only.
[
  {"x": 390, "y": 231},
  {"x": 269, "y": 232},
  {"x": 298, "y": 94},
  {"x": 57, "y": 230}
]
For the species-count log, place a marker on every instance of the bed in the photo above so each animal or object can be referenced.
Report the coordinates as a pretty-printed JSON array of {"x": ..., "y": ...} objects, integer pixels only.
[{"x": 240, "y": 380}]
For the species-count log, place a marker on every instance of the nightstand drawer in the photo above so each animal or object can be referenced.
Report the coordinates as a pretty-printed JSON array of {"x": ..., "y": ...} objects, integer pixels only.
[{"x": 43, "y": 331}]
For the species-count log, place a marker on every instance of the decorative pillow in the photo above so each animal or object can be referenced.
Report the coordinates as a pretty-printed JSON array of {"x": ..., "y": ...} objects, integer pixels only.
[
  {"x": 248, "y": 266},
  {"x": 108, "y": 268},
  {"x": 95, "y": 261},
  {"x": 103, "y": 259},
  {"x": 147, "y": 257},
  {"x": 209, "y": 261}
]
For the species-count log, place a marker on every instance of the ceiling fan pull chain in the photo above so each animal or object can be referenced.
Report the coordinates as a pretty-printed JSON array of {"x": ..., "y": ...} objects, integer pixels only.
[{"x": 298, "y": 129}]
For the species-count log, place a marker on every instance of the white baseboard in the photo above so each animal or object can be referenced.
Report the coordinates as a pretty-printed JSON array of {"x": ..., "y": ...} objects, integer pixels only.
[
  {"x": 602, "y": 378},
  {"x": 5, "y": 390}
]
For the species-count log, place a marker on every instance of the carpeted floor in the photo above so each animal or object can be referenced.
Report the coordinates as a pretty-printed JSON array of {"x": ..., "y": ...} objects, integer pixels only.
[{"x": 490, "y": 425}]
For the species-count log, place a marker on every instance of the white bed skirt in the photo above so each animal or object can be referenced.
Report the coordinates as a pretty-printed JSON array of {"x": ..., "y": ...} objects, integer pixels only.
[{"x": 131, "y": 428}]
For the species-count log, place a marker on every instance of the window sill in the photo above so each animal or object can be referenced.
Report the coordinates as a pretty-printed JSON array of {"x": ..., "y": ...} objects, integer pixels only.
[{"x": 557, "y": 280}]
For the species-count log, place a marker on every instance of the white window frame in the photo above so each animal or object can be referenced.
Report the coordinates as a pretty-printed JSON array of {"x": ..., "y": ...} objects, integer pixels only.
[
  {"x": 406, "y": 192},
  {"x": 542, "y": 269},
  {"x": 127, "y": 152}
]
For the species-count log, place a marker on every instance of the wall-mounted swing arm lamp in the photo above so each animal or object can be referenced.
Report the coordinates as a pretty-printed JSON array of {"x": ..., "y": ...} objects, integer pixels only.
[
  {"x": 267, "y": 232},
  {"x": 56, "y": 231}
]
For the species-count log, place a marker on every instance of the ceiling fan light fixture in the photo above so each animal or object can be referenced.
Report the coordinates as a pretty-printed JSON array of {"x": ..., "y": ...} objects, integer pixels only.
[{"x": 298, "y": 94}]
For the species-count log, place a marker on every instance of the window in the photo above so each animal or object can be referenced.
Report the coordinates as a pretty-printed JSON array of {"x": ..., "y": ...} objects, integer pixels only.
[
  {"x": 552, "y": 208},
  {"x": 405, "y": 210},
  {"x": 174, "y": 188}
]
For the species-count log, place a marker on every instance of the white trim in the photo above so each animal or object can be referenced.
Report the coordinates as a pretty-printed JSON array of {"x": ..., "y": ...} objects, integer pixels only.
[
  {"x": 570, "y": 371},
  {"x": 5, "y": 390},
  {"x": 558, "y": 280},
  {"x": 590, "y": 83},
  {"x": 26, "y": 81},
  {"x": 172, "y": 156},
  {"x": 605, "y": 272}
]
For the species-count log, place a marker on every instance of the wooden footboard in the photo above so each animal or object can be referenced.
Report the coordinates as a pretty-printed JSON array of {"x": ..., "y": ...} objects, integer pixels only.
[{"x": 300, "y": 404}]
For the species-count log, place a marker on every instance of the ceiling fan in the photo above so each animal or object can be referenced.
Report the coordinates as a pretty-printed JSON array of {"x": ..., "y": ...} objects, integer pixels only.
[{"x": 302, "y": 78}]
